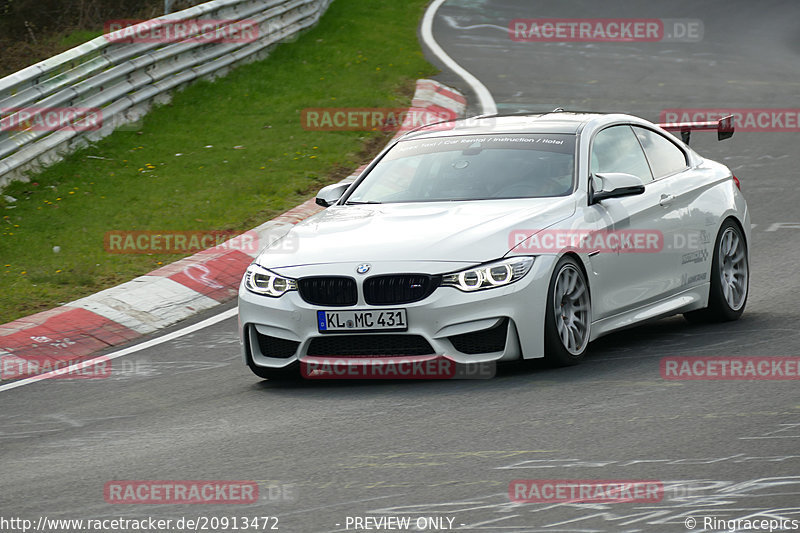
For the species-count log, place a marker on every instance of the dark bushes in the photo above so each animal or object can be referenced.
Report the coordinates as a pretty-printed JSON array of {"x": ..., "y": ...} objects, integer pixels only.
[{"x": 32, "y": 30}]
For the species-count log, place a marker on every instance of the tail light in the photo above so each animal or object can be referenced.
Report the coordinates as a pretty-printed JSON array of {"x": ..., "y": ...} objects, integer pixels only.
[{"x": 736, "y": 181}]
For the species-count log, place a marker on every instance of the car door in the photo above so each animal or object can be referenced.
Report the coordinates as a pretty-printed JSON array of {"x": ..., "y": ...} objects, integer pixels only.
[
  {"x": 631, "y": 276},
  {"x": 686, "y": 246}
]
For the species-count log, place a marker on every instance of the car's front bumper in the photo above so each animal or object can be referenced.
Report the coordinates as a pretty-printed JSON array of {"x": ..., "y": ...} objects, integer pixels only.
[{"x": 498, "y": 324}]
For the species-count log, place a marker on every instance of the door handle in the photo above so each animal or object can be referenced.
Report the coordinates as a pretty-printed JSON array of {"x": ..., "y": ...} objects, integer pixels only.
[{"x": 666, "y": 200}]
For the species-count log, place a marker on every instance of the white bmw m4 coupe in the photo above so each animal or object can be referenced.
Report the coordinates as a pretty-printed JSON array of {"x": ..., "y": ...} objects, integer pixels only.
[{"x": 500, "y": 238}]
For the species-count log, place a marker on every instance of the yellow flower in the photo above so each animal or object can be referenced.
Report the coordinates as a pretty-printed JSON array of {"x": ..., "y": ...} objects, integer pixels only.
[{"x": 57, "y": 271}]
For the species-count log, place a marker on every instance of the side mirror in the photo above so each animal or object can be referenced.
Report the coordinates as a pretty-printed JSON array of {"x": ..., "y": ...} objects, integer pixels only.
[
  {"x": 327, "y": 196},
  {"x": 614, "y": 185}
]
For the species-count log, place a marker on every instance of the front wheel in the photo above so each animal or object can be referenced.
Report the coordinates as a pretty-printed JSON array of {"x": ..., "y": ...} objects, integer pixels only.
[
  {"x": 730, "y": 278},
  {"x": 568, "y": 316}
]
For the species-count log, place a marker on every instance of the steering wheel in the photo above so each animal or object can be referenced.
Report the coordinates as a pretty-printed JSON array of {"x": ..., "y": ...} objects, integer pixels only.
[{"x": 459, "y": 186}]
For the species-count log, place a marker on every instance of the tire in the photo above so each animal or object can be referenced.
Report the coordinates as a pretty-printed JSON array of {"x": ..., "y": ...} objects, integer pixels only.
[
  {"x": 568, "y": 315},
  {"x": 290, "y": 373},
  {"x": 730, "y": 278}
]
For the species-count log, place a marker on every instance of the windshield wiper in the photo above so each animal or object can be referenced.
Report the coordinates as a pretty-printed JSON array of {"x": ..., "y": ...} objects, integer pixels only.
[{"x": 356, "y": 202}]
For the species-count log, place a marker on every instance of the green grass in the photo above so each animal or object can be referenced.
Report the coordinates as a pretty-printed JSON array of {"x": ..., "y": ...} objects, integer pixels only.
[
  {"x": 78, "y": 37},
  {"x": 362, "y": 54}
]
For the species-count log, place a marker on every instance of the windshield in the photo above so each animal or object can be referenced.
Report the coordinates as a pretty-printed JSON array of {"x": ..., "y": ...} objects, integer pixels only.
[{"x": 471, "y": 167}]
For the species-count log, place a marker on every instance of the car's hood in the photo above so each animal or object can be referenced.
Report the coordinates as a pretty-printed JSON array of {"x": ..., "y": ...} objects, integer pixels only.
[{"x": 468, "y": 231}]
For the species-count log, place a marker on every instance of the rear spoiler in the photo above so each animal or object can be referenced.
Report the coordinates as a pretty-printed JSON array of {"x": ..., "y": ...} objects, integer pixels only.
[{"x": 724, "y": 127}]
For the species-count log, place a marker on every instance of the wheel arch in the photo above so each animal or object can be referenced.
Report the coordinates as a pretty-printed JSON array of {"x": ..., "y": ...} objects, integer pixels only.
[
  {"x": 732, "y": 216},
  {"x": 583, "y": 266}
]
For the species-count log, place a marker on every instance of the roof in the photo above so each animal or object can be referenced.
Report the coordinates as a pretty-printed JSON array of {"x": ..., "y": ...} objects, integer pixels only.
[{"x": 557, "y": 122}]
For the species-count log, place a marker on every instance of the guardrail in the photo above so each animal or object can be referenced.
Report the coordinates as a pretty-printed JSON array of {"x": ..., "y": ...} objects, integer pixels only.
[{"x": 121, "y": 80}]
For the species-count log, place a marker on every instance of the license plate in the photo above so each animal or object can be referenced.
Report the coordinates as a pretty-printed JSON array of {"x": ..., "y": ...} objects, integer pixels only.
[{"x": 353, "y": 321}]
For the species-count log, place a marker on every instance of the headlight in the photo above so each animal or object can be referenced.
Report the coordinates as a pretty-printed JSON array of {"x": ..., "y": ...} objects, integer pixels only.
[
  {"x": 259, "y": 280},
  {"x": 488, "y": 276}
]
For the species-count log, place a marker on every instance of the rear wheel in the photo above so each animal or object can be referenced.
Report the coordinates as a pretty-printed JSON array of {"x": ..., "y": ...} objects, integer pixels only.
[
  {"x": 730, "y": 278},
  {"x": 568, "y": 316}
]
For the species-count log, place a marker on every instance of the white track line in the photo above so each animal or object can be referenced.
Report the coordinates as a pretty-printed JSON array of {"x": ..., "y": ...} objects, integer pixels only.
[
  {"x": 126, "y": 351},
  {"x": 485, "y": 100}
]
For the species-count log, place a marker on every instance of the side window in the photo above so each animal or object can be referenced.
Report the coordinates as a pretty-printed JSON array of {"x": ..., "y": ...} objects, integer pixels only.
[
  {"x": 665, "y": 158},
  {"x": 616, "y": 149}
]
